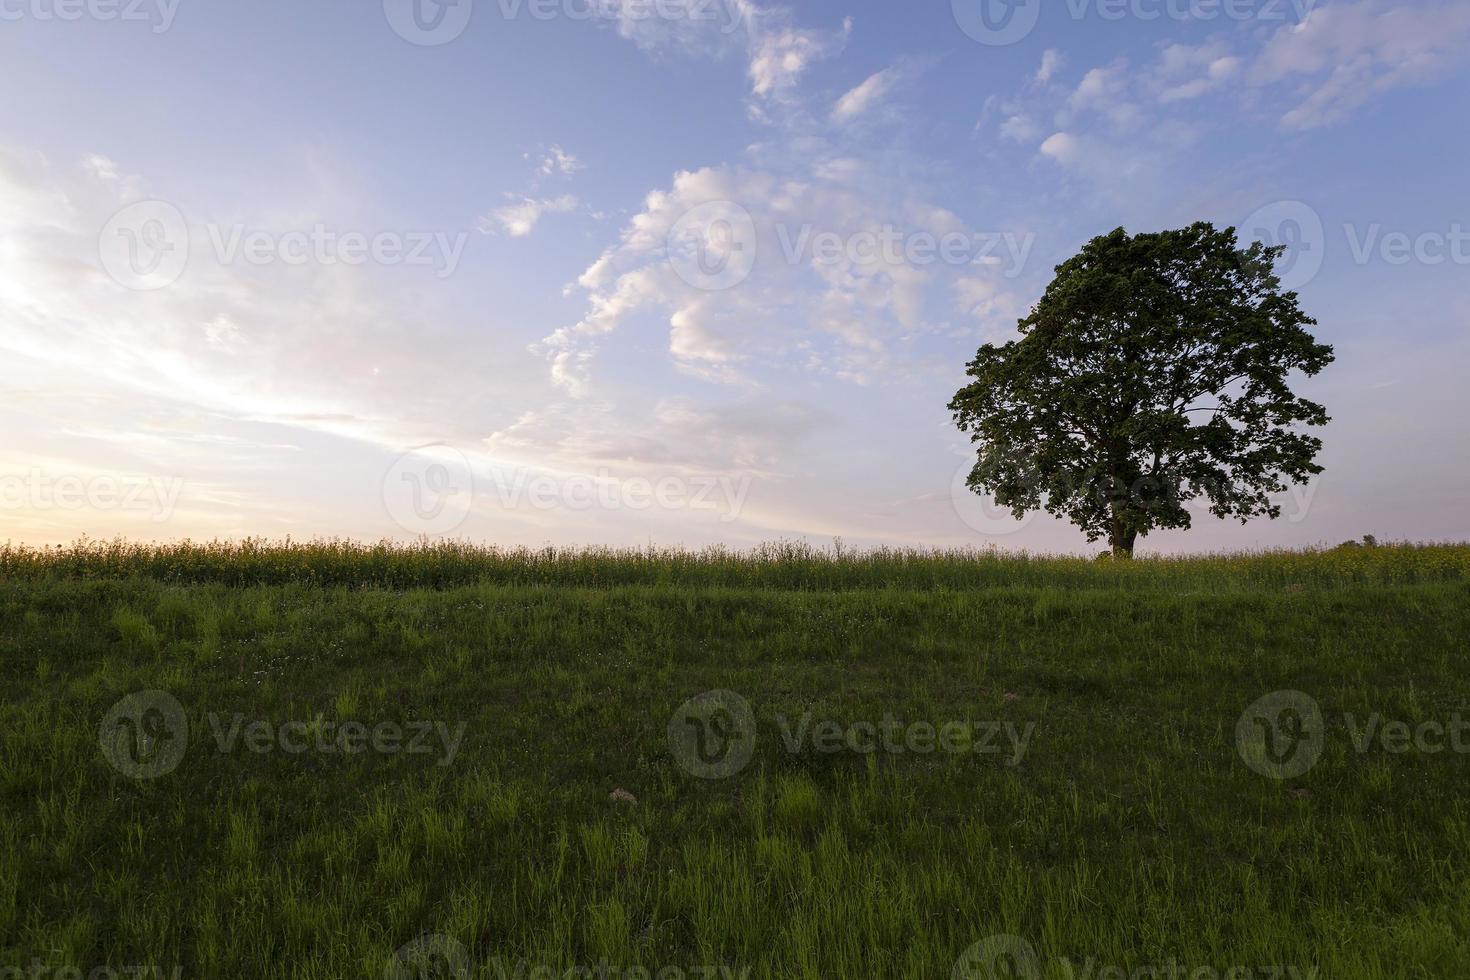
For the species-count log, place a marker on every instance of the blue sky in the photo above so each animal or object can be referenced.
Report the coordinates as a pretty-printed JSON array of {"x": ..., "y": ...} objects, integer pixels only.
[{"x": 193, "y": 344}]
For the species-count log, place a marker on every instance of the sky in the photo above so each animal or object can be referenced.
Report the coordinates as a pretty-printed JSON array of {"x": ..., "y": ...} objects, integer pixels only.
[{"x": 682, "y": 272}]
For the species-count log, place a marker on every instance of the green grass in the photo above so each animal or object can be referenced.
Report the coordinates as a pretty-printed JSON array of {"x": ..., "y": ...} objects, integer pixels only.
[{"x": 1131, "y": 833}]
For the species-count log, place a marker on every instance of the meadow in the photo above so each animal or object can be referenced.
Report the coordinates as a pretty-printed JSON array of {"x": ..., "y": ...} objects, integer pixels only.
[{"x": 325, "y": 760}]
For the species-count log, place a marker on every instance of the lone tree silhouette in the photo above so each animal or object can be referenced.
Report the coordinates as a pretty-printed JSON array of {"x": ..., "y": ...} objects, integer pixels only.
[{"x": 1153, "y": 371}]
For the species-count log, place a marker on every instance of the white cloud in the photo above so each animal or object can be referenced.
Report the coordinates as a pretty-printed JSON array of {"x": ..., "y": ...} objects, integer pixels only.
[
  {"x": 841, "y": 312},
  {"x": 1051, "y": 62},
  {"x": 1020, "y": 128},
  {"x": 557, "y": 161},
  {"x": 1064, "y": 148},
  {"x": 777, "y": 51},
  {"x": 221, "y": 377},
  {"x": 1105, "y": 91},
  {"x": 863, "y": 97},
  {"x": 520, "y": 218},
  {"x": 1098, "y": 86},
  {"x": 780, "y": 53},
  {"x": 1345, "y": 54},
  {"x": 1186, "y": 72}
]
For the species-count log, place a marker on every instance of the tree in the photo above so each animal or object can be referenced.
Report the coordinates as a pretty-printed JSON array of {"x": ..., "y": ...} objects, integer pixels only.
[{"x": 1152, "y": 371}]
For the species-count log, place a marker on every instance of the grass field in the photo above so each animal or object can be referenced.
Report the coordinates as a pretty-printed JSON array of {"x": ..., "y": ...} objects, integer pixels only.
[{"x": 954, "y": 764}]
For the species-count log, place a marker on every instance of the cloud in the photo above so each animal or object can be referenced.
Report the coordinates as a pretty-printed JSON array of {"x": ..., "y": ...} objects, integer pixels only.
[
  {"x": 520, "y": 218},
  {"x": 232, "y": 339},
  {"x": 819, "y": 287},
  {"x": 1099, "y": 86},
  {"x": 749, "y": 435},
  {"x": 1062, "y": 147},
  {"x": 781, "y": 53},
  {"x": 777, "y": 51},
  {"x": 1345, "y": 54},
  {"x": 557, "y": 161},
  {"x": 1020, "y": 128},
  {"x": 1105, "y": 91},
  {"x": 864, "y": 96},
  {"x": 1186, "y": 72},
  {"x": 1051, "y": 62}
]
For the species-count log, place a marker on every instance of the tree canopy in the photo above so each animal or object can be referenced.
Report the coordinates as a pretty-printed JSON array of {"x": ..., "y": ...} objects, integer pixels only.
[{"x": 1154, "y": 370}]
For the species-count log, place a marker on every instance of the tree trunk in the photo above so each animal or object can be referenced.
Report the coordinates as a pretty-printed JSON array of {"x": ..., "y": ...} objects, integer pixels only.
[{"x": 1122, "y": 539}]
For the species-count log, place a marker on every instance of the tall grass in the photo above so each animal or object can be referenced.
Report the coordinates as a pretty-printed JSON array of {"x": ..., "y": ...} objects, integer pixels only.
[
  {"x": 565, "y": 834},
  {"x": 781, "y": 565}
]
